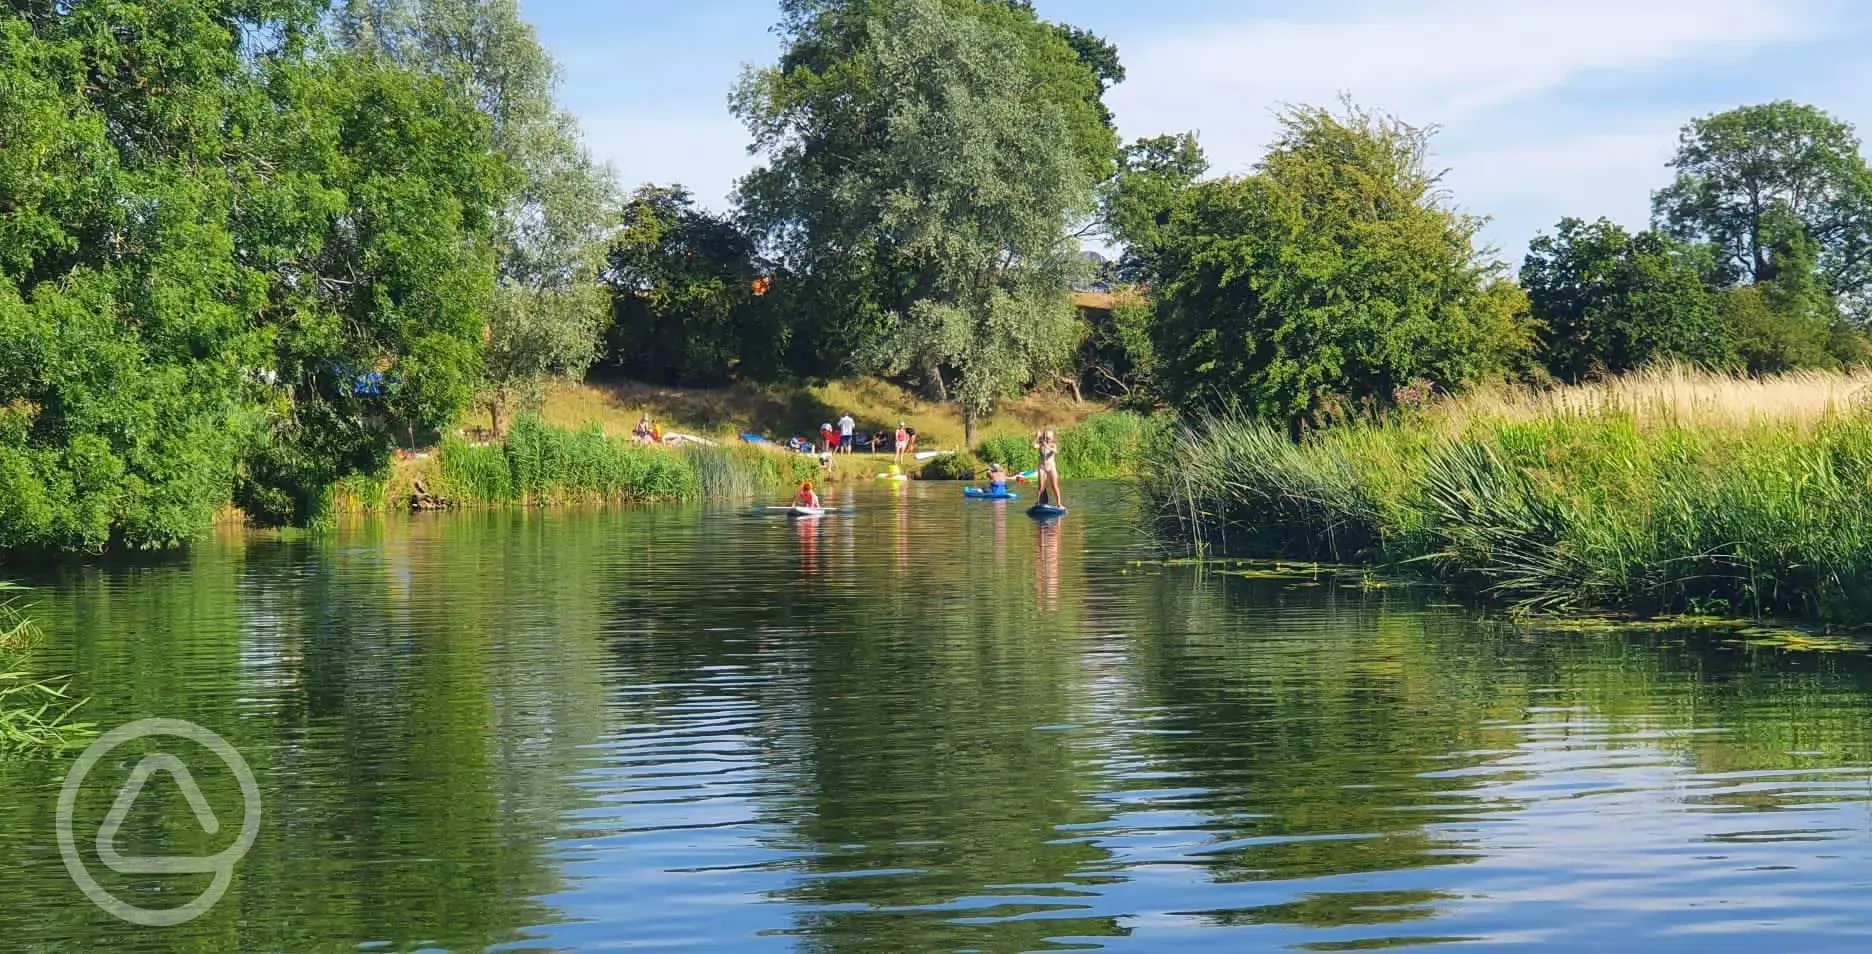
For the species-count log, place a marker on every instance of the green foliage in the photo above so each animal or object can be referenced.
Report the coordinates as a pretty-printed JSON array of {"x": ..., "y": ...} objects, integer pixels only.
[
  {"x": 925, "y": 158},
  {"x": 1116, "y": 357},
  {"x": 1611, "y": 302},
  {"x": 1326, "y": 281},
  {"x": 540, "y": 464},
  {"x": 960, "y": 466},
  {"x": 1102, "y": 446},
  {"x": 1136, "y": 204},
  {"x": 1739, "y": 170},
  {"x": 35, "y": 714},
  {"x": 685, "y": 308},
  {"x": 546, "y": 320},
  {"x": 209, "y": 232},
  {"x": 1561, "y": 511}
]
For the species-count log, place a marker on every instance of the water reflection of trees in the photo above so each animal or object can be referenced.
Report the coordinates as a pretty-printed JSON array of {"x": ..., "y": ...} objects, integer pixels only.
[
  {"x": 1298, "y": 713},
  {"x": 409, "y": 721}
]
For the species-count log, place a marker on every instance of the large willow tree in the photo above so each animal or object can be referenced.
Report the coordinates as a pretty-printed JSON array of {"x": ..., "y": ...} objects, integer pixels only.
[
  {"x": 552, "y": 225},
  {"x": 925, "y": 161}
]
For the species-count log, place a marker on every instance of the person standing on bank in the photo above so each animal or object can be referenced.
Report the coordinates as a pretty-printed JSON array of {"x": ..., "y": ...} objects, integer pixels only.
[
  {"x": 846, "y": 427},
  {"x": 901, "y": 444}
]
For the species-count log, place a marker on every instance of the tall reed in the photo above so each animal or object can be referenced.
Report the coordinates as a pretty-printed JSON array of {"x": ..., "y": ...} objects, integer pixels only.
[
  {"x": 1660, "y": 493},
  {"x": 539, "y": 463},
  {"x": 35, "y": 714}
]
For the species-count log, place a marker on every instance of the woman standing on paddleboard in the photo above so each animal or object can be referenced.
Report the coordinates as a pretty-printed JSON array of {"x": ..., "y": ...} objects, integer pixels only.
[{"x": 1048, "y": 446}]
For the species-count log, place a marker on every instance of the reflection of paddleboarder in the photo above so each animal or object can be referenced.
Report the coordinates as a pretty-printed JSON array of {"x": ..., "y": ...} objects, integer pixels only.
[
  {"x": 1046, "y": 566},
  {"x": 808, "y": 531}
]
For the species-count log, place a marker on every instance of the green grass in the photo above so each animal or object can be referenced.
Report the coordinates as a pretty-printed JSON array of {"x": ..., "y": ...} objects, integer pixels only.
[
  {"x": 1554, "y": 511},
  {"x": 1104, "y": 445},
  {"x": 542, "y": 464}
]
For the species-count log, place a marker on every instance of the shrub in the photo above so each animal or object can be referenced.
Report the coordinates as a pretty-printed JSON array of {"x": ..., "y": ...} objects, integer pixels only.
[{"x": 962, "y": 466}]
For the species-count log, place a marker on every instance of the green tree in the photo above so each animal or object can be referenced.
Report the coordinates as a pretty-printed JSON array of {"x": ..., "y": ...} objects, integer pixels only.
[
  {"x": 227, "y": 261},
  {"x": 1609, "y": 301},
  {"x": 550, "y": 233},
  {"x": 686, "y": 305},
  {"x": 926, "y": 157},
  {"x": 1330, "y": 278},
  {"x": 1736, "y": 169},
  {"x": 1135, "y": 205}
]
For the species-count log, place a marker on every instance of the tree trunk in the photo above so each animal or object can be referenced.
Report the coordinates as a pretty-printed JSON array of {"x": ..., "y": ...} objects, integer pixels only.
[
  {"x": 497, "y": 415},
  {"x": 968, "y": 427},
  {"x": 936, "y": 382}
]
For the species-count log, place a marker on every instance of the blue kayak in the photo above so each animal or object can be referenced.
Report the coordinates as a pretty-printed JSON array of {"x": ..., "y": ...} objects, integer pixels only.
[
  {"x": 1046, "y": 510},
  {"x": 980, "y": 494}
]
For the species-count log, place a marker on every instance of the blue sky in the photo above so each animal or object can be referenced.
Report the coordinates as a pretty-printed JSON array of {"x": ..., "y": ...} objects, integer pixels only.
[{"x": 1545, "y": 109}]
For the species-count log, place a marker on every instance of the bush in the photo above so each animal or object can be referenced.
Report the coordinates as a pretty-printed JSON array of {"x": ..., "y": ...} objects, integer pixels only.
[
  {"x": 962, "y": 466},
  {"x": 1103, "y": 445}
]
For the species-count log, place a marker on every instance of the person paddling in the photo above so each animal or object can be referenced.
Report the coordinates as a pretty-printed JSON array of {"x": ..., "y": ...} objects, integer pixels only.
[
  {"x": 806, "y": 498},
  {"x": 997, "y": 479},
  {"x": 1048, "y": 446}
]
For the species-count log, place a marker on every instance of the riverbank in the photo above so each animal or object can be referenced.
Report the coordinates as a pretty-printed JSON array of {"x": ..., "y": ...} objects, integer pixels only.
[
  {"x": 539, "y": 464},
  {"x": 1670, "y": 492},
  {"x": 779, "y": 411}
]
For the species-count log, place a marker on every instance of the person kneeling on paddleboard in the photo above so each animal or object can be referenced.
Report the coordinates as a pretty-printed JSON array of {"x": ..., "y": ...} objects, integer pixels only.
[{"x": 806, "y": 497}]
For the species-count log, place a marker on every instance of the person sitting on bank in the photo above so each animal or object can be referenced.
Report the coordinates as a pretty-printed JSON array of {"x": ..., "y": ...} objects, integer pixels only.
[{"x": 644, "y": 432}]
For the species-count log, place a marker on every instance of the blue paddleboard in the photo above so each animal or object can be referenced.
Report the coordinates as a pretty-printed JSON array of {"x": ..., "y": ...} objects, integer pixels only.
[
  {"x": 980, "y": 494},
  {"x": 1045, "y": 510}
]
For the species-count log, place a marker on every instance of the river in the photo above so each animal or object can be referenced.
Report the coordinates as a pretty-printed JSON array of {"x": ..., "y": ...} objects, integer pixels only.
[{"x": 923, "y": 725}]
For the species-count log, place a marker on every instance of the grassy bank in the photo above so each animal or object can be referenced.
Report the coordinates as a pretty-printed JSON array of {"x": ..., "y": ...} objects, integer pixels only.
[
  {"x": 1662, "y": 493},
  {"x": 779, "y": 411},
  {"x": 541, "y": 464}
]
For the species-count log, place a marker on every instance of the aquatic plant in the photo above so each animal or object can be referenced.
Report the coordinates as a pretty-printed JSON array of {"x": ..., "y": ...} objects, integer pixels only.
[{"x": 35, "y": 714}]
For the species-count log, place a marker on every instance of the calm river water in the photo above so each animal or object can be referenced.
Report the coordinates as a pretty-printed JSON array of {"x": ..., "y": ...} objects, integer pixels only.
[{"x": 925, "y": 725}]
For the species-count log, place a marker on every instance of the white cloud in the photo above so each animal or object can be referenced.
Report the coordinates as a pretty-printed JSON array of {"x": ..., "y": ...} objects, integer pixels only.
[
  {"x": 1526, "y": 188},
  {"x": 1434, "y": 63},
  {"x": 1479, "y": 70}
]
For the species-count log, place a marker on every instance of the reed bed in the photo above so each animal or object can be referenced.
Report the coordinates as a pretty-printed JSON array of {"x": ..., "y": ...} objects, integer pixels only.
[
  {"x": 35, "y": 714},
  {"x": 542, "y": 464},
  {"x": 1669, "y": 492}
]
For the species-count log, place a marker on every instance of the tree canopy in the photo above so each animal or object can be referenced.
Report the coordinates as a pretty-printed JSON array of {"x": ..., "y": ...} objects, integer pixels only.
[
  {"x": 1610, "y": 302},
  {"x": 925, "y": 160},
  {"x": 174, "y": 337},
  {"x": 1739, "y": 169},
  {"x": 1331, "y": 277}
]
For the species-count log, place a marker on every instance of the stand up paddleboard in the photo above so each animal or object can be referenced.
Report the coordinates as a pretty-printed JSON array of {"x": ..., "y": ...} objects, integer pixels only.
[
  {"x": 799, "y": 511},
  {"x": 1046, "y": 510},
  {"x": 980, "y": 494}
]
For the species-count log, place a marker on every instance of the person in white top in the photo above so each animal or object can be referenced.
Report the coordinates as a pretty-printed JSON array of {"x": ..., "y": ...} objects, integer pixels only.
[{"x": 846, "y": 425}]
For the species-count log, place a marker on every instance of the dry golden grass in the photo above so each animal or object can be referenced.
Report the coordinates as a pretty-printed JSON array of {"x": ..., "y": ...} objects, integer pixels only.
[
  {"x": 779, "y": 412},
  {"x": 1681, "y": 395}
]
